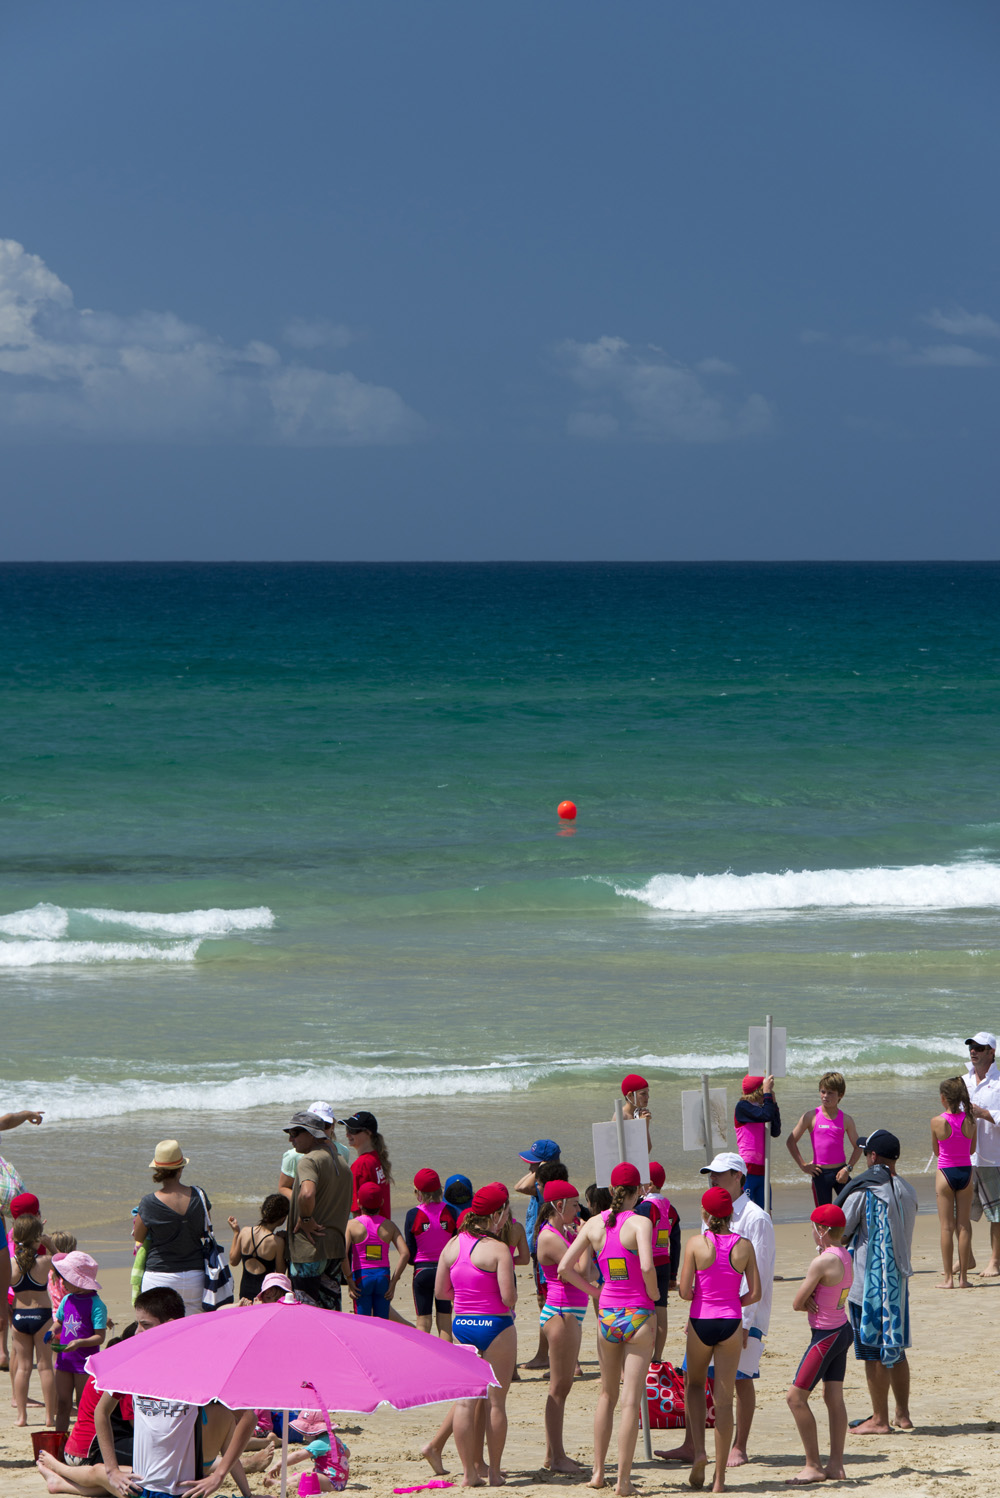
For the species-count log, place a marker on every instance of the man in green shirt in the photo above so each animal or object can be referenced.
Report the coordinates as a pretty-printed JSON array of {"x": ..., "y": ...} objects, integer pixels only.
[{"x": 320, "y": 1208}]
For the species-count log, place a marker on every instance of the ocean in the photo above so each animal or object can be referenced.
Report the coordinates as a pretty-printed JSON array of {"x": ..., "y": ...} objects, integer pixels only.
[{"x": 280, "y": 832}]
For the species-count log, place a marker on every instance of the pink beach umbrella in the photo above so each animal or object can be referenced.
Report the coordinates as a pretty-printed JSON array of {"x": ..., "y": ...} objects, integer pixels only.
[{"x": 287, "y": 1356}]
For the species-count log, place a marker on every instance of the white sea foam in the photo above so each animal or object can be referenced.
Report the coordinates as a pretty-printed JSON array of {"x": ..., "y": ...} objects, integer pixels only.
[
  {"x": 42, "y": 922},
  {"x": 87, "y": 953},
  {"x": 224, "y": 1088},
  {"x": 962, "y": 886},
  {"x": 213, "y": 922},
  {"x": 51, "y": 934}
]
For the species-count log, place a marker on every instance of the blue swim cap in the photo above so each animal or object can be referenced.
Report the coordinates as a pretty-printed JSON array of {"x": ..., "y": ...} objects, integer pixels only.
[{"x": 458, "y": 1191}]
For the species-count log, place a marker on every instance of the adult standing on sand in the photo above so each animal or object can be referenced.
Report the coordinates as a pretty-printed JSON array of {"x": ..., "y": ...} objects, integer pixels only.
[
  {"x": 983, "y": 1083},
  {"x": 372, "y": 1164},
  {"x": 880, "y": 1209},
  {"x": 171, "y": 1221},
  {"x": 13, "y": 1121},
  {"x": 320, "y": 1208},
  {"x": 622, "y": 1243}
]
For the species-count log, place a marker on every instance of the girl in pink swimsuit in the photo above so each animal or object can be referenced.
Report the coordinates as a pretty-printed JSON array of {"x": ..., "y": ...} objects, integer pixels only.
[
  {"x": 715, "y": 1263},
  {"x": 622, "y": 1242},
  {"x": 823, "y": 1294},
  {"x": 953, "y": 1137},
  {"x": 476, "y": 1272},
  {"x": 366, "y": 1261},
  {"x": 561, "y": 1317}
]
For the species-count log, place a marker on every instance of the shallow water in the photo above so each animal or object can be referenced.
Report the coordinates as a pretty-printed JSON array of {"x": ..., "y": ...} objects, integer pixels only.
[{"x": 281, "y": 832}]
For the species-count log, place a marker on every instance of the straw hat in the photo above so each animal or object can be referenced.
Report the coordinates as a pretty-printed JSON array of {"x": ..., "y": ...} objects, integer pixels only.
[{"x": 167, "y": 1156}]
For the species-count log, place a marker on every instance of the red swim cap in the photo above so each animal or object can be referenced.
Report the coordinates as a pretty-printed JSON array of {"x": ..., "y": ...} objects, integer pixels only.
[
  {"x": 750, "y": 1084},
  {"x": 490, "y": 1199},
  {"x": 427, "y": 1180},
  {"x": 370, "y": 1196},
  {"x": 828, "y": 1216},
  {"x": 625, "y": 1175},
  {"x": 559, "y": 1191},
  {"x": 25, "y": 1205},
  {"x": 717, "y": 1202},
  {"x": 657, "y": 1174},
  {"x": 633, "y": 1083}
]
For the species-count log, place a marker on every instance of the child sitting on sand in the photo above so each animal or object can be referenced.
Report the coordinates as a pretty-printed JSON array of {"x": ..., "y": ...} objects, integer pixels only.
[{"x": 327, "y": 1452}]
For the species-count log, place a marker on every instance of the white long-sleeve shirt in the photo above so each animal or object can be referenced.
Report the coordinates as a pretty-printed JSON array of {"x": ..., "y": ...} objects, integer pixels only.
[
  {"x": 752, "y": 1222},
  {"x": 986, "y": 1094}
]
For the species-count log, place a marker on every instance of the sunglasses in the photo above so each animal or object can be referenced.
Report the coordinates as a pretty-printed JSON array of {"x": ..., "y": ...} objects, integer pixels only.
[{"x": 979, "y": 1048}]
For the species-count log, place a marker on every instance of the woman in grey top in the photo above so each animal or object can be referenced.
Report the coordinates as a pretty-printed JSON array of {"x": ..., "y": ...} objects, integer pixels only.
[{"x": 171, "y": 1221}]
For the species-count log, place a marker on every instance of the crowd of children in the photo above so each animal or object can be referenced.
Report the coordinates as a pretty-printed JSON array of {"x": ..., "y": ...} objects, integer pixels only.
[{"x": 615, "y": 1249}]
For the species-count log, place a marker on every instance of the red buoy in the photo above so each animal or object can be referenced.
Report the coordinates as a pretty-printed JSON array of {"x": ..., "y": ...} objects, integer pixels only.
[{"x": 567, "y": 811}]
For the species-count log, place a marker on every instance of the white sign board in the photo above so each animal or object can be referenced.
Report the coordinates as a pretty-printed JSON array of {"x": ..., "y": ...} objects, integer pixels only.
[
  {"x": 693, "y": 1119},
  {"x": 606, "y": 1149},
  {"x": 758, "y": 1051}
]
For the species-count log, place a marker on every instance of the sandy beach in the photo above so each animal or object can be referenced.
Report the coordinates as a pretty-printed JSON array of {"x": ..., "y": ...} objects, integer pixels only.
[{"x": 954, "y": 1400}]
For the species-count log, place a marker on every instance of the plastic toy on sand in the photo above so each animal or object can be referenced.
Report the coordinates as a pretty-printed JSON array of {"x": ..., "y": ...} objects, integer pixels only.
[{"x": 567, "y": 811}]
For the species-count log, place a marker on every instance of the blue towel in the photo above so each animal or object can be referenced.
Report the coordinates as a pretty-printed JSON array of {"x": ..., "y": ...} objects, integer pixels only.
[{"x": 883, "y": 1318}]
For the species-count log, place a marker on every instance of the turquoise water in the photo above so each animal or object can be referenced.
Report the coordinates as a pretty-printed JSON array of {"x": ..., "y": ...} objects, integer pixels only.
[{"x": 277, "y": 831}]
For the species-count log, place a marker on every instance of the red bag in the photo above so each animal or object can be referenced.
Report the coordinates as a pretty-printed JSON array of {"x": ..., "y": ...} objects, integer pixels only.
[{"x": 665, "y": 1397}]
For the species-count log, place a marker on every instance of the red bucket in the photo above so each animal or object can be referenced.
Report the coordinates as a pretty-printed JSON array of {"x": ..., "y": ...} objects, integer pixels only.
[{"x": 52, "y": 1441}]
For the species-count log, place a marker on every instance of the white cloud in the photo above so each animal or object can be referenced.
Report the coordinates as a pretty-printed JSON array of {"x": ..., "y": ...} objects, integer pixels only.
[
  {"x": 958, "y": 323},
  {"x": 77, "y": 373},
  {"x": 949, "y": 356},
  {"x": 636, "y": 391},
  {"x": 902, "y": 352},
  {"x": 313, "y": 333}
]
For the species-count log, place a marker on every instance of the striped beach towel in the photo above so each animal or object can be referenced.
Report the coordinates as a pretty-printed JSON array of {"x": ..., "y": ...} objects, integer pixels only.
[{"x": 882, "y": 1319}]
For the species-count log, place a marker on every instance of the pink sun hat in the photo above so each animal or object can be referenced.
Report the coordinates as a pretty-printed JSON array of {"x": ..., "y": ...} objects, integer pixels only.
[
  {"x": 310, "y": 1423},
  {"x": 77, "y": 1269}
]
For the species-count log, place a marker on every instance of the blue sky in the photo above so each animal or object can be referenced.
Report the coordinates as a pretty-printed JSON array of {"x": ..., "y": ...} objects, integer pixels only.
[{"x": 460, "y": 281}]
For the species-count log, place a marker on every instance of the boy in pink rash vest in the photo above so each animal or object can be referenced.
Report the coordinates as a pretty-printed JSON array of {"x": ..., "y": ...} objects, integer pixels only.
[
  {"x": 829, "y": 1128},
  {"x": 823, "y": 1294},
  {"x": 756, "y": 1112}
]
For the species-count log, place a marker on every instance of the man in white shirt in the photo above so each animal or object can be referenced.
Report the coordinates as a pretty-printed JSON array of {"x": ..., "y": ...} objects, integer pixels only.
[
  {"x": 750, "y": 1221},
  {"x": 983, "y": 1082}
]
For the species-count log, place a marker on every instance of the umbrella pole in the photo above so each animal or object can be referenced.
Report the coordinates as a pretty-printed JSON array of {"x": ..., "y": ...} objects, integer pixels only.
[{"x": 284, "y": 1452}]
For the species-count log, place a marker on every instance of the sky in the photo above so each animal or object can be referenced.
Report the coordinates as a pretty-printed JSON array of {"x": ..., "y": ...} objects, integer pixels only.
[{"x": 451, "y": 281}]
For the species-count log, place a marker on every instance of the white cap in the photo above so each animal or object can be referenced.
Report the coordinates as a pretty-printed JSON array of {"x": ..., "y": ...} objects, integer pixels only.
[
  {"x": 323, "y": 1111},
  {"x": 727, "y": 1160},
  {"x": 983, "y": 1037}
]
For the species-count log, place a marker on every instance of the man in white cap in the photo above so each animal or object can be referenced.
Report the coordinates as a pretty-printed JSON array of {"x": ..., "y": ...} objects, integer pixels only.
[
  {"x": 983, "y": 1083},
  {"x": 750, "y": 1221}
]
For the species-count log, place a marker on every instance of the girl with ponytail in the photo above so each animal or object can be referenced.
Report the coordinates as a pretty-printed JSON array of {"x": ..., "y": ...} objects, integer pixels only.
[
  {"x": 622, "y": 1243},
  {"x": 953, "y": 1138},
  {"x": 715, "y": 1263},
  {"x": 476, "y": 1272}
]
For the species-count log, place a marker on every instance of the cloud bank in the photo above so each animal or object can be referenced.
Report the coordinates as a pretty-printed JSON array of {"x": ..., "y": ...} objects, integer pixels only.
[
  {"x": 75, "y": 373},
  {"x": 639, "y": 392},
  {"x": 956, "y": 323}
]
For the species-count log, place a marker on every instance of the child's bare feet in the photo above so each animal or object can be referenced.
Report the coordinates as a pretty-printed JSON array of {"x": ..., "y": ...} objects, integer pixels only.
[{"x": 431, "y": 1454}]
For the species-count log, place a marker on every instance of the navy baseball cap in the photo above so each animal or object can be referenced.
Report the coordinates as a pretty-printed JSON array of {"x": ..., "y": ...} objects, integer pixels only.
[
  {"x": 458, "y": 1191},
  {"x": 539, "y": 1152}
]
